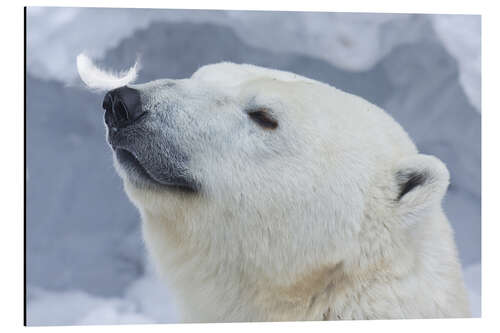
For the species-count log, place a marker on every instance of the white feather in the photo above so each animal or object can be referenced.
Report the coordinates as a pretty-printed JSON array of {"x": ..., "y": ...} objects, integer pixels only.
[{"x": 99, "y": 79}]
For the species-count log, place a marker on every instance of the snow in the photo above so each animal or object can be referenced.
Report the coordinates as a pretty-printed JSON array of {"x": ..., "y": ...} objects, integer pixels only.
[
  {"x": 461, "y": 35},
  {"x": 75, "y": 307},
  {"x": 351, "y": 41},
  {"x": 145, "y": 301},
  {"x": 472, "y": 277}
]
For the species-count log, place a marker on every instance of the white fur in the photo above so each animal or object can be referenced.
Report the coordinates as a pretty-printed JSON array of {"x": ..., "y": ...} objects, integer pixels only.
[
  {"x": 99, "y": 79},
  {"x": 300, "y": 223}
]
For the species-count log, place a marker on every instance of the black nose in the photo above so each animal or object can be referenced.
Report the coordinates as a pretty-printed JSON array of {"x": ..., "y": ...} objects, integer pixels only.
[{"x": 123, "y": 107}]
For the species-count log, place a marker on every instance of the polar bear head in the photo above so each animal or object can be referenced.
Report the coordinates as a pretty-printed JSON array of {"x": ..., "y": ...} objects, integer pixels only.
[{"x": 272, "y": 171}]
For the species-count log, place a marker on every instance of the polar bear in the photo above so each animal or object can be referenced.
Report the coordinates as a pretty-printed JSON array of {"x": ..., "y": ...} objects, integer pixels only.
[{"x": 268, "y": 196}]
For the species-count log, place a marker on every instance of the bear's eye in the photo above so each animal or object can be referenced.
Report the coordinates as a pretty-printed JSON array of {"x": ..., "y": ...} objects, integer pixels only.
[{"x": 263, "y": 118}]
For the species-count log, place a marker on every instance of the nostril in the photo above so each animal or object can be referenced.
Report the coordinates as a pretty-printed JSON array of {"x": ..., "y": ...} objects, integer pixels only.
[
  {"x": 107, "y": 103},
  {"x": 120, "y": 111}
]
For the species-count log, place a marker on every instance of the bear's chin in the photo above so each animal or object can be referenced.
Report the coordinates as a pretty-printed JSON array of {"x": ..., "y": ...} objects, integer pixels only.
[{"x": 138, "y": 176}]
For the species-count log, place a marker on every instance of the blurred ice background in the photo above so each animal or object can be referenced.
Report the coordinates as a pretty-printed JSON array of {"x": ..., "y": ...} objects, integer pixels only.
[{"x": 86, "y": 263}]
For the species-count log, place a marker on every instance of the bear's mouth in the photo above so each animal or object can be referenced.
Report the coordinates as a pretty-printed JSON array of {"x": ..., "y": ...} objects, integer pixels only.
[{"x": 140, "y": 176}]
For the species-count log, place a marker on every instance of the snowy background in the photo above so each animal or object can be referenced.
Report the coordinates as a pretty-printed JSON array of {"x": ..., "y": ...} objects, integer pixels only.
[{"x": 86, "y": 262}]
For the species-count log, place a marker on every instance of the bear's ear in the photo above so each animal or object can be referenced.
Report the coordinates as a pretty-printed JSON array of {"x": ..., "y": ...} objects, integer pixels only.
[{"x": 421, "y": 183}]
